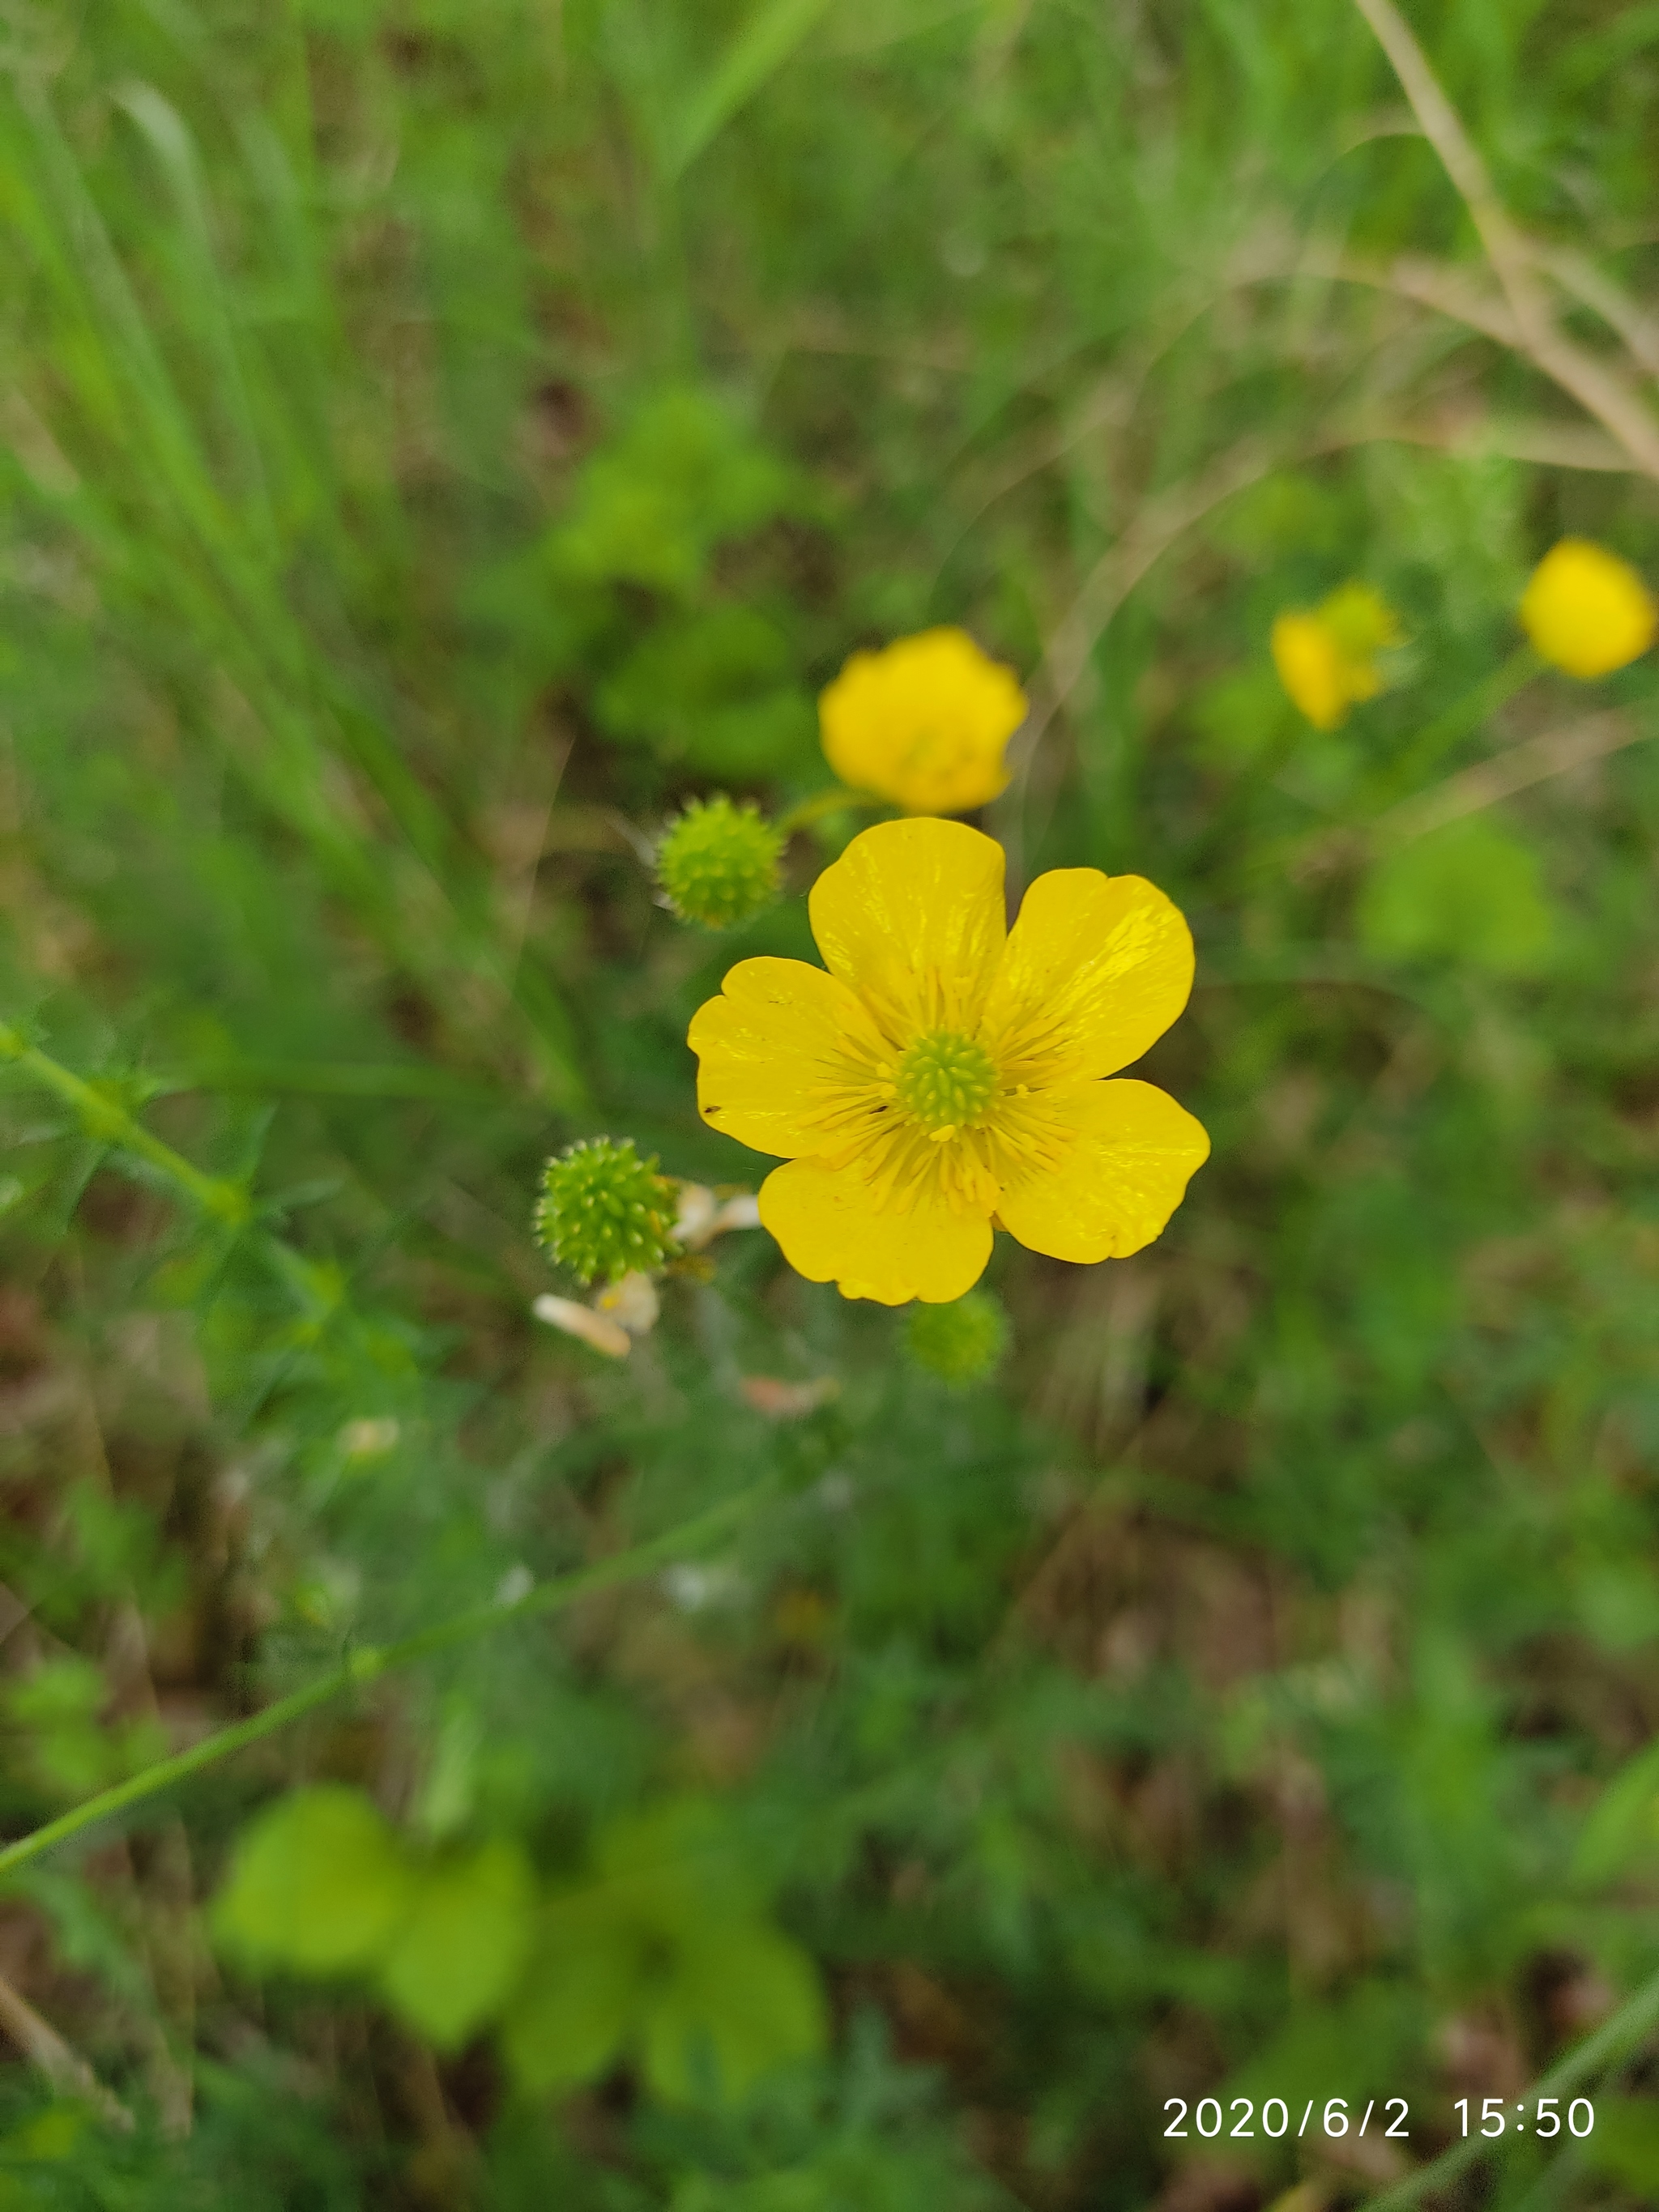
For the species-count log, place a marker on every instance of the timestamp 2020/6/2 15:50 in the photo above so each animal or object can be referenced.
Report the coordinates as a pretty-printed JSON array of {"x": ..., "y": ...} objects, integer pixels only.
[{"x": 1336, "y": 2119}]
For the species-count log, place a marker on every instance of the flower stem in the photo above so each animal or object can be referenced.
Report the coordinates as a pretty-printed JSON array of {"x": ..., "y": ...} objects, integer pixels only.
[
  {"x": 1431, "y": 744},
  {"x": 106, "y": 1120},
  {"x": 1616, "y": 2037},
  {"x": 366, "y": 1664},
  {"x": 837, "y": 800},
  {"x": 109, "y": 1123},
  {"x": 229, "y": 1204}
]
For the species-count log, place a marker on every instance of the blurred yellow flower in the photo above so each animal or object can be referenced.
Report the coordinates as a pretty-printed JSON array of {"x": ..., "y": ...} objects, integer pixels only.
[
  {"x": 923, "y": 722},
  {"x": 1587, "y": 611},
  {"x": 945, "y": 1076},
  {"x": 1326, "y": 656}
]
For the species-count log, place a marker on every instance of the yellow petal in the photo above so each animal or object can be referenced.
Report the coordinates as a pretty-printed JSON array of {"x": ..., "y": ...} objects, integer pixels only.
[
  {"x": 1587, "y": 611},
  {"x": 772, "y": 1051},
  {"x": 923, "y": 722},
  {"x": 1134, "y": 1152},
  {"x": 830, "y": 1231},
  {"x": 912, "y": 917},
  {"x": 1095, "y": 969},
  {"x": 1313, "y": 668}
]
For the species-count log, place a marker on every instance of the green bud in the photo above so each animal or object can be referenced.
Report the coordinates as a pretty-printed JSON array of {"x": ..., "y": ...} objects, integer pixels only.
[
  {"x": 960, "y": 1343},
  {"x": 717, "y": 864},
  {"x": 603, "y": 1210}
]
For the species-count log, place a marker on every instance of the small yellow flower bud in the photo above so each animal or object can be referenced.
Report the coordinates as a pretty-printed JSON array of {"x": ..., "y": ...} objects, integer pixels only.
[
  {"x": 1326, "y": 656},
  {"x": 1587, "y": 611}
]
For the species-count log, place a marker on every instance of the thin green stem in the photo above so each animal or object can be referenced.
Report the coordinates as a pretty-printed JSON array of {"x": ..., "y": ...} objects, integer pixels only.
[
  {"x": 109, "y": 1123},
  {"x": 837, "y": 800},
  {"x": 1432, "y": 742},
  {"x": 1635, "y": 2019},
  {"x": 371, "y": 1661},
  {"x": 106, "y": 1120}
]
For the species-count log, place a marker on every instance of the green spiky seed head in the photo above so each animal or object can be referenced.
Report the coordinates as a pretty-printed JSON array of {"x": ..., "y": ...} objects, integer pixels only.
[
  {"x": 960, "y": 1343},
  {"x": 717, "y": 864},
  {"x": 604, "y": 1212}
]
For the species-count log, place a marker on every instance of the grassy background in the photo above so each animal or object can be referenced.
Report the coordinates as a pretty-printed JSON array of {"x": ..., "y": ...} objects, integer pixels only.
[{"x": 438, "y": 437}]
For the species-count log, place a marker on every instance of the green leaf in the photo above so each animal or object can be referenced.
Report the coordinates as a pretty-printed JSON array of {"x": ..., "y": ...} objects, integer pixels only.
[
  {"x": 49, "y": 2138},
  {"x": 1469, "y": 891},
  {"x": 666, "y": 1948},
  {"x": 1240, "y": 716},
  {"x": 1336, "y": 2049},
  {"x": 65, "y": 1749},
  {"x": 462, "y": 1947},
  {"x": 800, "y": 2189},
  {"x": 576, "y": 2005},
  {"x": 1625, "y": 2142},
  {"x": 760, "y": 48},
  {"x": 676, "y": 1868},
  {"x": 714, "y": 688},
  {"x": 651, "y": 506},
  {"x": 57, "y": 1692},
  {"x": 740, "y": 1999},
  {"x": 1623, "y": 1824},
  {"x": 317, "y": 1883}
]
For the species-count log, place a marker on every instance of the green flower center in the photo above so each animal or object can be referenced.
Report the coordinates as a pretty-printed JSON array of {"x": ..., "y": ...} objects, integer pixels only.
[{"x": 945, "y": 1081}]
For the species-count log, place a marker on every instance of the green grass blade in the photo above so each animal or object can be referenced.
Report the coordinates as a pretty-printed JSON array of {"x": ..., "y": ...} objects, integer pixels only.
[{"x": 760, "y": 48}]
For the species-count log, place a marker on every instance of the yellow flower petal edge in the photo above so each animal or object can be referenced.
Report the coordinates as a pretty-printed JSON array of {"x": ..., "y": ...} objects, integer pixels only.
[
  {"x": 946, "y": 1076},
  {"x": 924, "y": 722},
  {"x": 1587, "y": 611},
  {"x": 823, "y": 1217},
  {"x": 1095, "y": 969},
  {"x": 1134, "y": 1154},
  {"x": 768, "y": 1047},
  {"x": 911, "y": 918}
]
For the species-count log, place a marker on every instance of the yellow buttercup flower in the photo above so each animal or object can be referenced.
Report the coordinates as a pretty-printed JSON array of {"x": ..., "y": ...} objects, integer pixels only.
[
  {"x": 1587, "y": 611},
  {"x": 923, "y": 722},
  {"x": 1326, "y": 656},
  {"x": 946, "y": 1075}
]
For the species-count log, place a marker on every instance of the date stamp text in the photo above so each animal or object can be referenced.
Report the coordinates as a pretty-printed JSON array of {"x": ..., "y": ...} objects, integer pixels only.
[{"x": 1389, "y": 2116}]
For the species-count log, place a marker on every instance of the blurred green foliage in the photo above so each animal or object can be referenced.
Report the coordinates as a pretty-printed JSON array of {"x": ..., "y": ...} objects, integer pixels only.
[
  {"x": 438, "y": 441},
  {"x": 1470, "y": 891}
]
